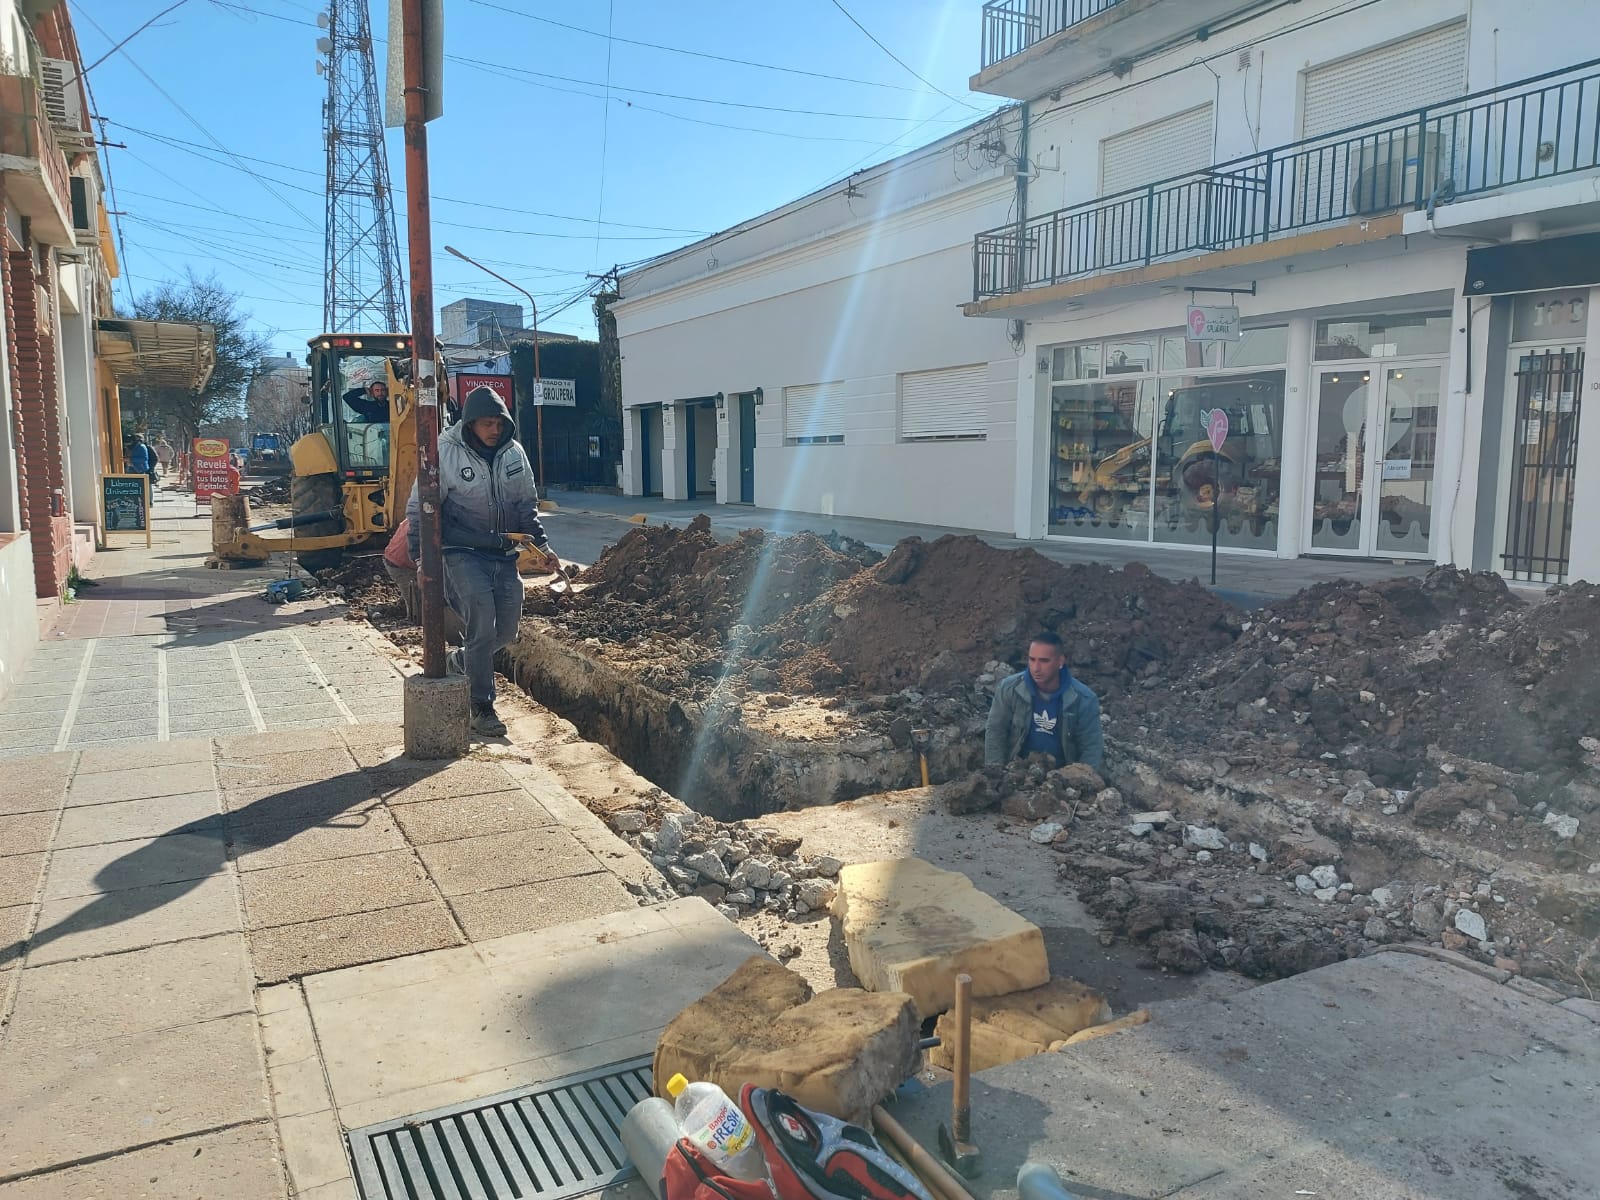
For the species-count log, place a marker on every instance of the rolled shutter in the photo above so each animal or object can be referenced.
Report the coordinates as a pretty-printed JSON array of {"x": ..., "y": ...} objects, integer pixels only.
[
  {"x": 1386, "y": 82},
  {"x": 1161, "y": 150},
  {"x": 814, "y": 412},
  {"x": 944, "y": 404}
]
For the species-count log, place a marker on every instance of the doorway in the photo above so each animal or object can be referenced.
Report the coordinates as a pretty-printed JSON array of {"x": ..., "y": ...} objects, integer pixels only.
[
  {"x": 1546, "y": 387},
  {"x": 649, "y": 449},
  {"x": 1377, "y": 434},
  {"x": 747, "y": 448},
  {"x": 700, "y": 435}
]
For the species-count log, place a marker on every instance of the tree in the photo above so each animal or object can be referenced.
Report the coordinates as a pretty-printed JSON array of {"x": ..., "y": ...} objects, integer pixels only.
[
  {"x": 198, "y": 301},
  {"x": 276, "y": 402}
]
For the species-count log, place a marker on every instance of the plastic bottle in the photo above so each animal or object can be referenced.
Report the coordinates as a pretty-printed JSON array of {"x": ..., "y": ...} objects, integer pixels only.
[
  {"x": 1036, "y": 1181},
  {"x": 716, "y": 1126}
]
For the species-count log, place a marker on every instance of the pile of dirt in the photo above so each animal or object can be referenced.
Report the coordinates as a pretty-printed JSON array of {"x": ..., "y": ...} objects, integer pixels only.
[
  {"x": 932, "y": 615},
  {"x": 270, "y": 491},
  {"x": 364, "y": 585}
]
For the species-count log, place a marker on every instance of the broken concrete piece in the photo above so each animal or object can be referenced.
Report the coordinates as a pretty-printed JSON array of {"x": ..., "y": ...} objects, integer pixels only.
[
  {"x": 1162, "y": 817},
  {"x": 1563, "y": 826},
  {"x": 1046, "y": 833},
  {"x": 1204, "y": 838},
  {"x": 839, "y": 1052},
  {"x": 1023, "y": 1024},
  {"x": 910, "y": 927},
  {"x": 1472, "y": 924}
]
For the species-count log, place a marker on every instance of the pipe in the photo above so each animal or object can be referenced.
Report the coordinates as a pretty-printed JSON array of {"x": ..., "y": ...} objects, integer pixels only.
[{"x": 332, "y": 514}]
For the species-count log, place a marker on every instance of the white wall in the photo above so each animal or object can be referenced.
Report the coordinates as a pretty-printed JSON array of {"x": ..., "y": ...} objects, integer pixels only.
[{"x": 19, "y": 614}]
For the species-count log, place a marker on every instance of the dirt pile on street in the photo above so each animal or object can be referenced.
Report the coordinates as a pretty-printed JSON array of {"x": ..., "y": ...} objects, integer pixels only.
[
  {"x": 364, "y": 585},
  {"x": 270, "y": 491},
  {"x": 933, "y": 615}
]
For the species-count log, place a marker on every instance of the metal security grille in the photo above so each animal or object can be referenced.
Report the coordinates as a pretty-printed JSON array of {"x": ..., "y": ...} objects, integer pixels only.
[
  {"x": 1544, "y": 465},
  {"x": 548, "y": 1142}
]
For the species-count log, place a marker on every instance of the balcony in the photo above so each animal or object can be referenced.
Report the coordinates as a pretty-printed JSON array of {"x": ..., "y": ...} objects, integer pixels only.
[
  {"x": 1536, "y": 131},
  {"x": 35, "y": 168},
  {"x": 1031, "y": 47}
]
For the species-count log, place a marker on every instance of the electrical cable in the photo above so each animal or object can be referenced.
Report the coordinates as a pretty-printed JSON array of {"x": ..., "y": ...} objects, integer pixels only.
[
  {"x": 743, "y": 62},
  {"x": 605, "y": 126},
  {"x": 900, "y": 60},
  {"x": 130, "y": 37}
]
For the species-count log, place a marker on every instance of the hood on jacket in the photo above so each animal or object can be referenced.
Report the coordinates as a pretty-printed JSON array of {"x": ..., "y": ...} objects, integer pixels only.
[{"x": 484, "y": 402}]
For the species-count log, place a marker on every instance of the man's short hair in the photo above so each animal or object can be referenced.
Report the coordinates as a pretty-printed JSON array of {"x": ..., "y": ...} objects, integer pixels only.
[{"x": 1049, "y": 637}]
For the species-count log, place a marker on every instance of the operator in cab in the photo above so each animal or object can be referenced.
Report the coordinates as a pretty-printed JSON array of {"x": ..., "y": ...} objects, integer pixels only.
[{"x": 371, "y": 403}]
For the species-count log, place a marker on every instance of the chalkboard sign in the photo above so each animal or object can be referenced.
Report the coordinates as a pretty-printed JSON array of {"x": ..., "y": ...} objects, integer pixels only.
[{"x": 125, "y": 504}]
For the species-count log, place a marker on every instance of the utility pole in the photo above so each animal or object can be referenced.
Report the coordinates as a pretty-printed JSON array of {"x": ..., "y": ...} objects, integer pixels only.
[
  {"x": 430, "y": 571},
  {"x": 538, "y": 379}
]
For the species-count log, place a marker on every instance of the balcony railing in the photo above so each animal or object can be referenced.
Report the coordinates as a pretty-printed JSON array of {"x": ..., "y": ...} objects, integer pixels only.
[
  {"x": 1011, "y": 26},
  {"x": 26, "y": 133},
  {"x": 1534, "y": 130}
]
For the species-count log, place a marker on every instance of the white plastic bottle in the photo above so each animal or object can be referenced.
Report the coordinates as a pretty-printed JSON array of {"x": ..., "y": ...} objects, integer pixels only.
[{"x": 713, "y": 1122}]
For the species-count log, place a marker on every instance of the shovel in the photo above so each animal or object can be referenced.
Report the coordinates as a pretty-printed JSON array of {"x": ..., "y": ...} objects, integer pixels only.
[{"x": 549, "y": 557}]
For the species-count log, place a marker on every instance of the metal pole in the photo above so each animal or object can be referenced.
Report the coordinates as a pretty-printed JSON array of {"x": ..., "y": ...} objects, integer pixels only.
[
  {"x": 430, "y": 570},
  {"x": 533, "y": 307}
]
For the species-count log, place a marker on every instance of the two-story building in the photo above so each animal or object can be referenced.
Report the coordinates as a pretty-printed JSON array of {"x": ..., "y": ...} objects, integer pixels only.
[{"x": 1361, "y": 234}]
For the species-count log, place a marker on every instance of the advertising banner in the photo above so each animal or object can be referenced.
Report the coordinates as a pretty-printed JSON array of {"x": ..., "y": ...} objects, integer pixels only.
[{"x": 211, "y": 469}]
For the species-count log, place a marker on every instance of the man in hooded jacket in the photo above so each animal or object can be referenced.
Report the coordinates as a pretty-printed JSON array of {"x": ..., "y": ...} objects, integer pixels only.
[{"x": 486, "y": 494}]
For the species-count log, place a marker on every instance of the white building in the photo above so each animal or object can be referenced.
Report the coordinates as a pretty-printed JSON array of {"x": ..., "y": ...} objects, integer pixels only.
[{"x": 1399, "y": 197}]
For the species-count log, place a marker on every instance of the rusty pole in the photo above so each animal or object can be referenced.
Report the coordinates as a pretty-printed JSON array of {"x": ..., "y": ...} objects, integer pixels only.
[{"x": 430, "y": 568}]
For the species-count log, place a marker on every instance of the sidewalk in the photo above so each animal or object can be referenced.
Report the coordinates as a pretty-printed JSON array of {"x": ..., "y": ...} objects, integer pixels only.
[
  {"x": 1248, "y": 579},
  {"x": 235, "y": 922}
]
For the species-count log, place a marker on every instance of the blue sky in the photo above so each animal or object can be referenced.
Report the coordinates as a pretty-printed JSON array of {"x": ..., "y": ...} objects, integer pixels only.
[{"x": 527, "y": 128}]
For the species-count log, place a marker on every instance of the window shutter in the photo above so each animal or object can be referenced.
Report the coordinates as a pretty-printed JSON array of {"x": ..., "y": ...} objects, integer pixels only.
[
  {"x": 944, "y": 404},
  {"x": 814, "y": 412},
  {"x": 1160, "y": 150},
  {"x": 1386, "y": 82}
]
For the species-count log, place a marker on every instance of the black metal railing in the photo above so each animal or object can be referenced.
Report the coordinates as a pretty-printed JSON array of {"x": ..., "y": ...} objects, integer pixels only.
[
  {"x": 1538, "y": 129},
  {"x": 1011, "y": 26},
  {"x": 1544, "y": 466}
]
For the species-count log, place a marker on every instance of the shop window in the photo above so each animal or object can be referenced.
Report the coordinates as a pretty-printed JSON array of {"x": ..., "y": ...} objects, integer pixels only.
[
  {"x": 1100, "y": 459},
  {"x": 1266, "y": 347},
  {"x": 1180, "y": 354},
  {"x": 1075, "y": 362},
  {"x": 1245, "y": 478},
  {"x": 1383, "y": 337},
  {"x": 1129, "y": 358}
]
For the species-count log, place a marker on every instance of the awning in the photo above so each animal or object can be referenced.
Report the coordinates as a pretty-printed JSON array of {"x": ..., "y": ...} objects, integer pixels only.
[
  {"x": 1535, "y": 266},
  {"x": 158, "y": 353}
]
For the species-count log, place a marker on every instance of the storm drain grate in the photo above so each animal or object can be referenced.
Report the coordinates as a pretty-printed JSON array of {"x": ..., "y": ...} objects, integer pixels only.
[{"x": 547, "y": 1142}]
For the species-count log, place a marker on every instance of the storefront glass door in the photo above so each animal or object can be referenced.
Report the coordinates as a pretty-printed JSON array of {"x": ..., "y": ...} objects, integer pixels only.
[{"x": 1376, "y": 434}]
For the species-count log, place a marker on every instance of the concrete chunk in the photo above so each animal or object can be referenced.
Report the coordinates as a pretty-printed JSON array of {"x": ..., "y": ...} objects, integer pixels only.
[
  {"x": 1006, "y": 1028},
  {"x": 839, "y": 1052},
  {"x": 910, "y": 927}
]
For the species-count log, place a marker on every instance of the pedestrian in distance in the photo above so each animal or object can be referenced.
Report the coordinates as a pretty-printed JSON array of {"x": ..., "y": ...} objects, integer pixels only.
[
  {"x": 488, "y": 509},
  {"x": 164, "y": 453},
  {"x": 142, "y": 459},
  {"x": 1044, "y": 710}
]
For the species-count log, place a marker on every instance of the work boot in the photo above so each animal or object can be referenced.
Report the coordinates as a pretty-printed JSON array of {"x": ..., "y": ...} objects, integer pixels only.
[{"x": 486, "y": 721}]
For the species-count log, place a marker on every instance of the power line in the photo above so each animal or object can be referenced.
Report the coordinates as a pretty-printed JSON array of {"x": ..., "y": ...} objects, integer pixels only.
[
  {"x": 605, "y": 125},
  {"x": 743, "y": 62},
  {"x": 900, "y": 60}
]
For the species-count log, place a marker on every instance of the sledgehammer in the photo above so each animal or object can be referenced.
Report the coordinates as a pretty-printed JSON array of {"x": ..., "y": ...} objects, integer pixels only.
[{"x": 955, "y": 1139}]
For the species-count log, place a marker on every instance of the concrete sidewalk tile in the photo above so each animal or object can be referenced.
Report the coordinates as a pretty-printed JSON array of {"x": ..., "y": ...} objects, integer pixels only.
[
  {"x": 240, "y": 1164},
  {"x": 408, "y": 782},
  {"x": 27, "y": 833},
  {"x": 17, "y": 720},
  {"x": 380, "y": 756},
  {"x": 253, "y": 745},
  {"x": 134, "y": 918},
  {"x": 159, "y": 754},
  {"x": 118, "y": 995},
  {"x": 387, "y": 976},
  {"x": 502, "y": 860},
  {"x": 317, "y": 801},
  {"x": 486, "y": 915},
  {"x": 377, "y": 733},
  {"x": 651, "y": 922},
  {"x": 141, "y": 783},
  {"x": 287, "y": 1035},
  {"x": 310, "y": 891},
  {"x": 13, "y": 928},
  {"x": 313, "y": 1150},
  {"x": 260, "y": 845},
  {"x": 19, "y": 878},
  {"x": 65, "y": 1104},
  {"x": 297, "y": 766},
  {"x": 291, "y": 950},
  {"x": 96, "y": 824},
  {"x": 471, "y": 816},
  {"x": 113, "y": 866},
  {"x": 1583, "y": 1007},
  {"x": 345, "y": 1189},
  {"x": 298, "y": 1087},
  {"x": 280, "y": 997}
]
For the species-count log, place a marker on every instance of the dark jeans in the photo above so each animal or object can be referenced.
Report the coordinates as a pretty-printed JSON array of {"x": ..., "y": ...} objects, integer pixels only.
[{"x": 487, "y": 595}]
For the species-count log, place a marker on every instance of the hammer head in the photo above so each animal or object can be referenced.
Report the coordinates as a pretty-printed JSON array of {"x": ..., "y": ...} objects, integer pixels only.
[
  {"x": 963, "y": 1156},
  {"x": 921, "y": 739}
]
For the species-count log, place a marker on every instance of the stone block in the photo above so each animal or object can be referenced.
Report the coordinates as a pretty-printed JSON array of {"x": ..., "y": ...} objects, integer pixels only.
[
  {"x": 910, "y": 927},
  {"x": 838, "y": 1052},
  {"x": 1006, "y": 1028},
  {"x": 436, "y": 716}
]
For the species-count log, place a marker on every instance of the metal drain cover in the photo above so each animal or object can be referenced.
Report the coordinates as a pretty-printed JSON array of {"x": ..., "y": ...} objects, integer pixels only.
[{"x": 549, "y": 1141}]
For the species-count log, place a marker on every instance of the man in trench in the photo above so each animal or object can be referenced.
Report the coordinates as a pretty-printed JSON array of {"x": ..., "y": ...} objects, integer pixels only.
[{"x": 1044, "y": 710}]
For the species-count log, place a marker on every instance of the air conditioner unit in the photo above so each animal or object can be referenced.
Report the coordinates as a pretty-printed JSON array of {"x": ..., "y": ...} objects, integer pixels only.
[
  {"x": 63, "y": 102},
  {"x": 1388, "y": 170}
]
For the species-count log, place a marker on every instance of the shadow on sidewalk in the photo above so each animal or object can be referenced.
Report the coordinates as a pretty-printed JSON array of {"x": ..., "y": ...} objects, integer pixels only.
[{"x": 139, "y": 882}]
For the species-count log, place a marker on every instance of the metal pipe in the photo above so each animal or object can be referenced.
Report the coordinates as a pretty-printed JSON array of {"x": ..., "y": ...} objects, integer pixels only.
[
  {"x": 430, "y": 565},
  {"x": 538, "y": 379}
]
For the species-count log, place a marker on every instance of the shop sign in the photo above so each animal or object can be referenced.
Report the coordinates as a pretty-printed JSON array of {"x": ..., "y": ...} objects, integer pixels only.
[
  {"x": 555, "y": 393},
  {"x": 125, "y": 504},
  {"x": 1397, "y": 468},
  {"x": 211, "y": 469},
  {"x": 1208, "y": 323}
]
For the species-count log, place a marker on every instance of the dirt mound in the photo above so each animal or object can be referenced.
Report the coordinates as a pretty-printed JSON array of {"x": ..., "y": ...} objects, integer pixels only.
[
  {"x": 361, "y": 580},
  {"x": 933, "y": 615}
]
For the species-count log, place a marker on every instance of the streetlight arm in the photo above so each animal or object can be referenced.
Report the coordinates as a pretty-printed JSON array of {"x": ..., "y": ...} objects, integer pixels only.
[{"x": 531, "y": 302}]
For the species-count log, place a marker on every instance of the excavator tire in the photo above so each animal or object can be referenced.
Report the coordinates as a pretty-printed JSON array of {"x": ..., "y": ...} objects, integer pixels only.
[{"x": 311, "y": 494}]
